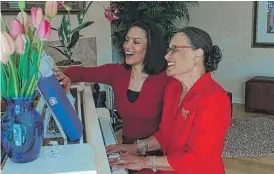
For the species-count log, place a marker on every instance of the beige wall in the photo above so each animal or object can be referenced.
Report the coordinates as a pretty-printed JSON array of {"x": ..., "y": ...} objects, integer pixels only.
[
  {"x": 100, "y": 29},
  {"x": 230, "y": 25}
]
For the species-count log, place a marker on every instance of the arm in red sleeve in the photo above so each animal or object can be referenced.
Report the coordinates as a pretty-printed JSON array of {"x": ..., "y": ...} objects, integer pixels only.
[
  {"x": 101, "y": 74},
  {"x": 206, "y": 138}
]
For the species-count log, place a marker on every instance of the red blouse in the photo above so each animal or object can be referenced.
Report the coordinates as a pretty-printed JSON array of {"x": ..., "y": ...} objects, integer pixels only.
[
  {"x": 141, "y": 118},
  {"x": 192, "y": 134}
]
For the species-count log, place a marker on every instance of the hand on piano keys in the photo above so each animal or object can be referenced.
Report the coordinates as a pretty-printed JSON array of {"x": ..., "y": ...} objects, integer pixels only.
[
  {"x": 121, "y": 148},
  {"x": 130, "y": 161}
]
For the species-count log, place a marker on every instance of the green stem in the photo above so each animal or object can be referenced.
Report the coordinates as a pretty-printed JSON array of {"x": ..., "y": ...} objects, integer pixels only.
[
  {"x": 35, "y": 76},
  {"x": 4, "y": 70},
  {"x": 4, "y": 78},
  {"x": 30, "y": 86},
  {"x": 41, "y": 48},
  {"x": 14, "y": 75}
]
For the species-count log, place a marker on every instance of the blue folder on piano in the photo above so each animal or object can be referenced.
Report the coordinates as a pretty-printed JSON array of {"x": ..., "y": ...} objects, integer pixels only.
[{"x": 60, "y": 105}]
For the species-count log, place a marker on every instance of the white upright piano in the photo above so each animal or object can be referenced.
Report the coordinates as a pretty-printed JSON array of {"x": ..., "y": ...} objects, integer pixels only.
[{"x": 85, "y": 158}]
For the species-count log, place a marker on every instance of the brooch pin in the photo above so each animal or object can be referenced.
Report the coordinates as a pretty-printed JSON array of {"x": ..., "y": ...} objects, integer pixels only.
[{"x": 185, "y": 113}]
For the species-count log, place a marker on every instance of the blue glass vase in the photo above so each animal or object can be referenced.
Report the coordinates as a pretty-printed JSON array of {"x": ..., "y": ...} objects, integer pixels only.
[{"x": 21, "y": 130}]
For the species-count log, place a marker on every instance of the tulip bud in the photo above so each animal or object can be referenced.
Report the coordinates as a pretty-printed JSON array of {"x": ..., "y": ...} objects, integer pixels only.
[
  {"x": 51, "y": 9},
  {"x": 44, "y": 30},
  {"x": 20, "y": 43},
  {"x": 15, "y": 29},
  {"x": 7, "y": 44},
  {"x": 22, "y": 17},
  {"x": 37, "y": 16}
]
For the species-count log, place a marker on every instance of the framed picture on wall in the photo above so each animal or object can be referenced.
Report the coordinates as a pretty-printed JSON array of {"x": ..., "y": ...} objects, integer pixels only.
[
  {"x": 263, "y": 24},
  {"x": 12, "y": 8}
]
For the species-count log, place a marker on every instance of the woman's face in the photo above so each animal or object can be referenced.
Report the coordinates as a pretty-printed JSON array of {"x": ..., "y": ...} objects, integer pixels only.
[
  {"x": 135, "y": 46},
  {"x": 181, "y": 57}
]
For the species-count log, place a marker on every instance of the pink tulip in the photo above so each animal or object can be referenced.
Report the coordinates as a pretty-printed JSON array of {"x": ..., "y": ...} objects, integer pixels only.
[
  {"x": 37, "y": 16},
  {"x": 7, "y": 44},
  {"x": 51, "y": 9},
  {"x": 15, "y": 29},
  {"x": 44, "y": 30},
  {"x": 23, "y": 18},
  {"x": 20, "y": 43}
]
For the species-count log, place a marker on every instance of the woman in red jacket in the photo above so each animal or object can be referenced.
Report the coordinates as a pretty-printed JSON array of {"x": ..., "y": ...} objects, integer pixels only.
[{"x": 196, "y": 113}]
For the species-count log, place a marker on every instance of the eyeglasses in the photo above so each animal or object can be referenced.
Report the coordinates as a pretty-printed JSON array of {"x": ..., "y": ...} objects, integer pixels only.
[{"x": 174, "y": 48}]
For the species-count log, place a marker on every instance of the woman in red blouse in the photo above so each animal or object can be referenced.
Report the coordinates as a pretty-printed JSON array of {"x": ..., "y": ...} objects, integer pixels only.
[
  {"x": 196, "y": 113},
  {"x": 138, "y": 84}
]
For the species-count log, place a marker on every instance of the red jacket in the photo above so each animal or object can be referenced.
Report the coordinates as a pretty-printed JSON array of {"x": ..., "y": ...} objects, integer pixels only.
[{"x": 192, "y": 134}]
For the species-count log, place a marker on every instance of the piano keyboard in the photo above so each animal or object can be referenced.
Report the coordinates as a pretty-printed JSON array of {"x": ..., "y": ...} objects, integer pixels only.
[{"x": 109, "y": 137}]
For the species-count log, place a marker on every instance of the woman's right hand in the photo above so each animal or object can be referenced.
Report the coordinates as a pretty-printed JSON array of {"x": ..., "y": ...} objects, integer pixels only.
[
  {"x": 63, "y": 79},
  {"x": 121, "y": 148}
]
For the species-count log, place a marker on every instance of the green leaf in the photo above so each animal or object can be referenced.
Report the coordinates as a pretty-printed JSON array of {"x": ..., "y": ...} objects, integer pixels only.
[
  {"x": 56, "y": 29},
  {"x": 24, "y": 61},
  {"x": 74, "y": 39},
  {"x": 61, "y": 34},
  {"x": 30, "y": 34},
  {"x": 81, "y": 14},
  {"x": 34, "y": 58},
  {"x": 57, "y": 46},
  {"x": 4, "y": 78},
  {"x": 30, "y": 86},
  {"x": 58, "y": 49},
  {"x": 24, "y": 88},
  {"x": 84, "y": 25},
  {"x": 66, "y": 27},
  {"x": 13, "y": 79}
]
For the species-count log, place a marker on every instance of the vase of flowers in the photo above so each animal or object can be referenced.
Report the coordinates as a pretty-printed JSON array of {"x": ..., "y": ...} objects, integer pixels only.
[{"x": 22, "y": 45}]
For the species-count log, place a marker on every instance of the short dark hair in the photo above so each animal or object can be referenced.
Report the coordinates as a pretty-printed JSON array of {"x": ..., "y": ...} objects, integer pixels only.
[
  {"x": 199, "y": 38},
  {"x": 154, "y": 62}
]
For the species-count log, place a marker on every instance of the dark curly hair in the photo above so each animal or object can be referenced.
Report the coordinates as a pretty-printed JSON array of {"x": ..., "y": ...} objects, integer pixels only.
[
  {"x": 154, "y": 62},
  {"x": 198, "y": 38}
]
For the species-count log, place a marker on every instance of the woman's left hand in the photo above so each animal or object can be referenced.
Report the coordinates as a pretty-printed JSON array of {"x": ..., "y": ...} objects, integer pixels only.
[{"x": 129, "y": 161}]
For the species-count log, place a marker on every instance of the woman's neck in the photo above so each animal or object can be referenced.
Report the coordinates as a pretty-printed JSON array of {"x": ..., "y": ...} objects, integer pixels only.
[
  {"x": 137, "y": 72},
  {"x": 189, "y": 79}
]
